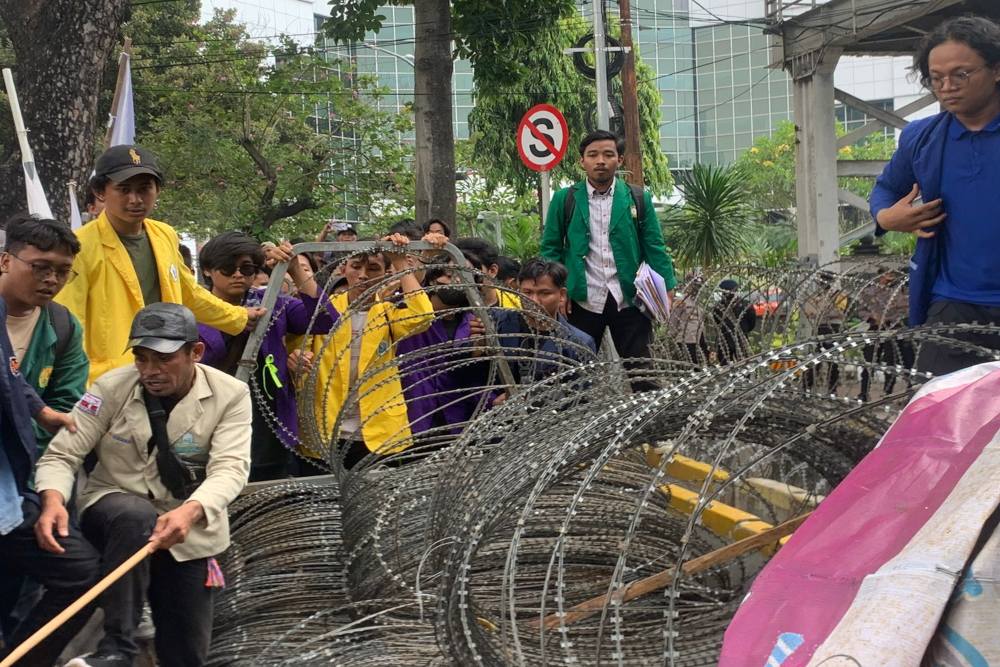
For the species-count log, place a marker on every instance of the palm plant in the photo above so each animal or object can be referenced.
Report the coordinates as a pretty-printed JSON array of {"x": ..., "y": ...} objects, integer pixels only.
[{"x": 713, "y": 227}]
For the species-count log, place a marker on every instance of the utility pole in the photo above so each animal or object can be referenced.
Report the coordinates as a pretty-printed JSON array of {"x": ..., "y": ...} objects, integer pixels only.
[
  {"x": 601, "y": 66},
  {"x": 630, "y": 99}
]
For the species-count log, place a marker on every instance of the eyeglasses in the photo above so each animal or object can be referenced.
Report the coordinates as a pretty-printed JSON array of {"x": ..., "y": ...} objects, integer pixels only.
[
  {"x": 42, "y": 271},
  {"x": 247, "y": 270},
  {"x": 959, "y": 78}
]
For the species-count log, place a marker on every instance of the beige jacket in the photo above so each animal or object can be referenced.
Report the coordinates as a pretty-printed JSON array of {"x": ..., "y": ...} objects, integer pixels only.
[{"x": 212, "y": 422}]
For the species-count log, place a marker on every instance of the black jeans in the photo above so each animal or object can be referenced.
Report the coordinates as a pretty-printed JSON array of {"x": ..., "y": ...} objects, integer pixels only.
[
  {"x": 631, "y": 332},
  {"x": 941, "y": 359},
  {"x": 65, "y": 577},
  {"x": 119, "y": 524}
]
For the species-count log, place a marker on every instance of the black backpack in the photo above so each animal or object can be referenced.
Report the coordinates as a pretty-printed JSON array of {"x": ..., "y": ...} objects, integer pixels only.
[
  {"x": 63, "y": 325},
  {"x": 569, "y": 205}
]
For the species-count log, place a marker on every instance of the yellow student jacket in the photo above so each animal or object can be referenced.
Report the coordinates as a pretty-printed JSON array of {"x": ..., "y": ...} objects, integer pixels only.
[
  {"x": 105, "y": 295},
  {"x": 385, "y": 426}
]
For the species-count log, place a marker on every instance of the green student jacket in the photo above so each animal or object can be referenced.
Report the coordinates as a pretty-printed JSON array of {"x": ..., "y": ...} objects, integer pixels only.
[
  {"x": 632, "y": 241},
  {"x": 58, "y": 382}
]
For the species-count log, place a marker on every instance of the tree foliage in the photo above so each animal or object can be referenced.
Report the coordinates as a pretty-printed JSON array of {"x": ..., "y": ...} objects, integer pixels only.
[
  {"x": 493, "y": 35},
  {"x": 769, "y": 166},
  {"x": 550, "y": 77},
  {"x": 273, "y": 141},
  {"x": 713, "y": 226}
]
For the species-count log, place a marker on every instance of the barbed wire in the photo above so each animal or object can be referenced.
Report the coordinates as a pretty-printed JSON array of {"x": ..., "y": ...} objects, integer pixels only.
[{"x": 473, "y": 541}]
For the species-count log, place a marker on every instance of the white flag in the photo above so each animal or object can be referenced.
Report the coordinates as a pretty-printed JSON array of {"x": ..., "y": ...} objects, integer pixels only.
[
  {"x": 123, "y": 115},
  {"x": 38, "y": 205},
  {"x": 75, "y": 219}
]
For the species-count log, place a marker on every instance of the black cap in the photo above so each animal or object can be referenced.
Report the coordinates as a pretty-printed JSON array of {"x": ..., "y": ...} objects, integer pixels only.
[
  {"x": 120, "y": 163},
  {"x": 163, "y": 327}
]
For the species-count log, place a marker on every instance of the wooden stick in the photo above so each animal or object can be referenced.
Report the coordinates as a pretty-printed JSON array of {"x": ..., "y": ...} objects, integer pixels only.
[
  {"x": 67, "y": 613},
  {"x": 662, "y": 579},
  {"x": 122, "y": 62}
]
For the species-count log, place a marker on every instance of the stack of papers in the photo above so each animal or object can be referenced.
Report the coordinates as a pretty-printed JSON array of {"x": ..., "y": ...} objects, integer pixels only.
[{"x": 651, "y": 290}]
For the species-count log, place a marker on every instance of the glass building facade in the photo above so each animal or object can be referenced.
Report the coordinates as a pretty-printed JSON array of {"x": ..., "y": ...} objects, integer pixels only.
[{"x": 711, "y": 63}]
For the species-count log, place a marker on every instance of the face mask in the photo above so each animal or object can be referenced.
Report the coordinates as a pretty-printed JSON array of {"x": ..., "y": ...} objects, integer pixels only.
[{"x": 453, "y": 297}]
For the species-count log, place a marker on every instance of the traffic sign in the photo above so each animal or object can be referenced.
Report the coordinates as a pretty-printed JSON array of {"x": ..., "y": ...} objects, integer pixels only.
[{"x": 542, "y": 137}]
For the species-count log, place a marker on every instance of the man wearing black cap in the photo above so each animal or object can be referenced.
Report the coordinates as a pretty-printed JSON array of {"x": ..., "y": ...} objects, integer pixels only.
[
  {"x": 172, "y": 439},
  {"x": 128, "y": 261}
]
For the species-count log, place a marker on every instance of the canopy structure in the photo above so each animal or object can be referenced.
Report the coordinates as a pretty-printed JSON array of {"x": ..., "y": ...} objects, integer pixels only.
[{"x": 810, "y": 38}]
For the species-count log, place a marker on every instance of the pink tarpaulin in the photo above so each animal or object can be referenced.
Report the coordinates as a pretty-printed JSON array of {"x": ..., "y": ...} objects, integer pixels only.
[{"x": 872, "y": 559}]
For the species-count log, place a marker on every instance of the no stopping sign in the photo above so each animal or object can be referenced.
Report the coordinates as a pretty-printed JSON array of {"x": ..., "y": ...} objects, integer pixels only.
[{"x": 542, "y": 137}]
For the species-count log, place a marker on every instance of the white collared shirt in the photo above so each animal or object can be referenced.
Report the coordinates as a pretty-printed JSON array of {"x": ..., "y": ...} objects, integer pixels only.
[{"x": 602, "y": 272}]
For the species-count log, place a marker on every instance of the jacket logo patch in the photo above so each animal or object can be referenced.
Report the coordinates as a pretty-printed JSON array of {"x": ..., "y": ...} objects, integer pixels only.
[
  {"x": 90, "y": 404},
  {"x": 174, "y": 273},
  {"x": 383, "y": 347},
  {"x": 44, "y": 377},
  {"x": 15, "y": 366}
]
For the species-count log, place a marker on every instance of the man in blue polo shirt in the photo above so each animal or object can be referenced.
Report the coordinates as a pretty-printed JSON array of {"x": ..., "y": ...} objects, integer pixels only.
[{"x": 952, "y": 162}]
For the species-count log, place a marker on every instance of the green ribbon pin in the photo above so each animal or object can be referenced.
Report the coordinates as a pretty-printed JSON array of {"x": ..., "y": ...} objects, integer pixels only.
[{"x": 270, "y": 370}]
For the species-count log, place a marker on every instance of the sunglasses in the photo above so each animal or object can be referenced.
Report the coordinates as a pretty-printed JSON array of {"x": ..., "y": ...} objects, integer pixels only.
[{"x": 246, "y": 269}]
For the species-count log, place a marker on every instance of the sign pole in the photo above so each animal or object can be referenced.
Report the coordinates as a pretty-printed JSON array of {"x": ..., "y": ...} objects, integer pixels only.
[{"x": 546, "y": 194}]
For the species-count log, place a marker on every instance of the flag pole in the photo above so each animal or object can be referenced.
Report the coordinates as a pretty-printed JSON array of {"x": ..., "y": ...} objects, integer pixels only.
[{"x": 122, "y": 69}]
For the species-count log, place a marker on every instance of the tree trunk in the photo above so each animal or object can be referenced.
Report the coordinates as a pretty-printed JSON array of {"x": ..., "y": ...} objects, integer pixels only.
[
  {"x": 62, "y": 48},
  {"x": 435, "y": 148}
]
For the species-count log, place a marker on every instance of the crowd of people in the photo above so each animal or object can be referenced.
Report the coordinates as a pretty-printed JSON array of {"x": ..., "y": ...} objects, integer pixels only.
[{"x": 124, "y": 429}]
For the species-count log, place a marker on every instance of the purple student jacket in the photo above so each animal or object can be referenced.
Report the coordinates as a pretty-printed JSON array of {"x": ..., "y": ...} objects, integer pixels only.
[
  {"x": 424, "y": 381},
  {"x": 290, "y": 315}
]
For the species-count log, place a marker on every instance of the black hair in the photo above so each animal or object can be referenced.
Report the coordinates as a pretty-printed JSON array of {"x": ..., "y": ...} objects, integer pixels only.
[
  {"x": 447, "y": 227},
  {"x": 221, "y": 252},
  {"x": 186, "y": 255},
  {"x": 508, "y": 267},
  {"x": 537, "y": 267},
  {"x": 43, "y": 233},
  {"x": 89, "y": 196},
  {"x": 483, "y": 249},
  {"x": 602, "y": 135},
  {"x": 979, "y": 33},
  {"x": 365, "y": 255},
  {"x": 407, "y": 228}
]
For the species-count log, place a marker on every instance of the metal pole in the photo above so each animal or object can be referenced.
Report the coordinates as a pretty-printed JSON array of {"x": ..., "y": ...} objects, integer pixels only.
[
  {"x": 601, "y": 66},
  {"x": 546, "y": 194}
]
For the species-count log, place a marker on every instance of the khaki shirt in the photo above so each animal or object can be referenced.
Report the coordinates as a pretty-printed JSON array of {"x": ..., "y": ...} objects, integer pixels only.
[{"x": 212, "y": 423}]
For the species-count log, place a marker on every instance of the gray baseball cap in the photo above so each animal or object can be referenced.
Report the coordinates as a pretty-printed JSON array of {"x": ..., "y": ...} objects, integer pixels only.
[{"x": 163, "y": 328}]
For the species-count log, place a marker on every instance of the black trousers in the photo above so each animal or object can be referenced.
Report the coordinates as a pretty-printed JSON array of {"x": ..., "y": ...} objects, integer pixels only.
[
  {"x": 118, "y": 524},
  {"x": 941, "y": 359},
  {"x": 631, "y": 331},
  {"x": 65, "y": 577}
]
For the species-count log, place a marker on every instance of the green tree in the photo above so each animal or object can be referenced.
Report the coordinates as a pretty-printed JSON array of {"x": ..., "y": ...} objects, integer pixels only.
[
  {"x": 550, "y": 77},
  {"x": 492, "y": 34},
  {"x": 273, "y": 146},
  {"x": 769, "y": 166},
  {"x": 713, "y": 225}
]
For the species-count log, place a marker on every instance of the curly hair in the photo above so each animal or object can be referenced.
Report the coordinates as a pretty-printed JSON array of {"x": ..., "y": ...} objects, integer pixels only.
[{"x": 980, "y": 34}]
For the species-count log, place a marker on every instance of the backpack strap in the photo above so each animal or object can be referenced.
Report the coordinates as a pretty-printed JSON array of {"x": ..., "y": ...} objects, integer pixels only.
[
  {"x": 569, "y": 205},
  {"x": 638, "y": 196},
  {"x": 63, "y": 325}
]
